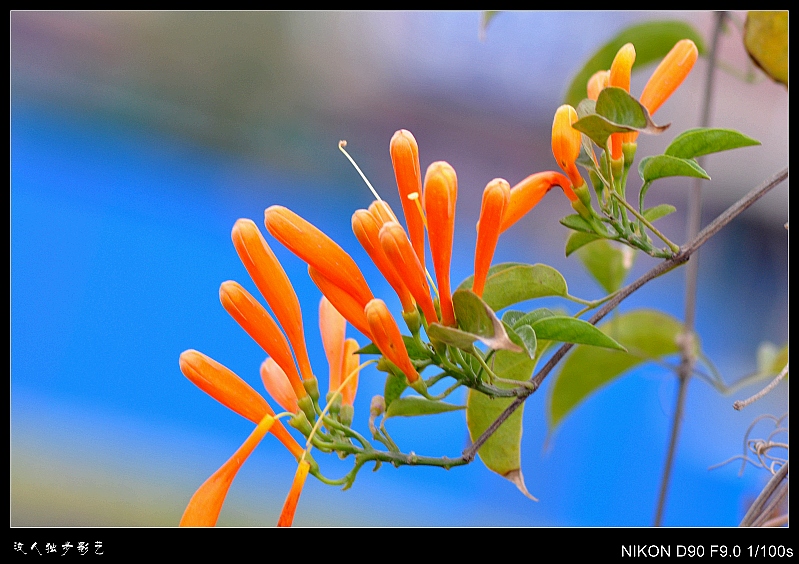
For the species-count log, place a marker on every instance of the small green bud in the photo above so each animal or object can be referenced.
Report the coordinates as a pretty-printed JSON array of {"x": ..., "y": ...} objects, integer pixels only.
[
  {"x": 346, "y": 414},
  {"x": 300, "y": 422},
  {"x": 413, "y": 320},
  {"x": 305, "y": 404},
  {"x": 334, "y": 401},
  {"x": 312, "y": 387}
]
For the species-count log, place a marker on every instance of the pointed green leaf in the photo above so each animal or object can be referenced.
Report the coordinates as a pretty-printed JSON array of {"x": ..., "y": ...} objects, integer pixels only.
[
  {"x": 616, "y": 112},
  {"x": 652, "y": 41},
  {"x": 766, "y": 41},
  {"x": 501, "y": 453},
  {"x": 656, "y": 212},
  {"x": 564, "y": 329},
  {"x": 415, "y": 351},
  {"x": 700, "y": 141},
  {"x": 528, "y": 337},
  {"x": 647, "y": 335},
  {"x": 395, "y": 385},
  {"x": 476, "y": 317},
  {"x": 661, "y": 166},
  {"x": 411, "y": 406},
  {"x": 533, "y": 316},
  {"x": 510, "y": 283},
  {"x": 452, "y": 336},
  {"x": 511, "y": 316},
  {"x": 577, "y": 223},
  {"x": 577, "y": 240},
  {"x": 517, "y": 340},
  {"x": 607, "y": 262}
]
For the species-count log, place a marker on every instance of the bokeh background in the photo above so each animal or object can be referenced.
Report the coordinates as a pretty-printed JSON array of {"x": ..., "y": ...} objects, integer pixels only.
[{"x": 138, "y": 138}]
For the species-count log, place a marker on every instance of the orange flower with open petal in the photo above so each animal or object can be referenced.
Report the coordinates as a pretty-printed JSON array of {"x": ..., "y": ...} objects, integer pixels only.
[
  {"x": 206, "y": 503},
  {"x": 440, "y": 196},
  {"x": 405, "y": 158},
  {"x": 495, "y": 199}
]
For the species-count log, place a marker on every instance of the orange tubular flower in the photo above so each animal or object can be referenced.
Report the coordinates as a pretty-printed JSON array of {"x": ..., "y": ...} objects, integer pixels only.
[
  {"x": 620, "y": 77},
  {"x": 405, "y": 158},
  {"x": 350, "y": 364},
  {"x": 398, "y": 249},
  {"x": 527, "y": 193},
  {"x": 382, "y": 212},
  {"x": 333, "y": 327},
  {"x": 230, "y": 390},
  {"x": 598, "y": 81},
  {"x": 271, "y": 280},
  {"x": 206, "y": 503},
  {"x": 259, "y": 325},
  {"x": 290, "y": 506},
  {"x": 495, "y": 199},
  {"x": 342, "y": 301},
  {"x": 277, "y": 384},
  {"x": 367, "y": 230},
  {"x": 318, "y": 250},
  {"x": 440, "y": 194},
  {"x": 669, "y": 74},
  {"x": 386, "y": 335},
  {"x": 566, "y": 144}
]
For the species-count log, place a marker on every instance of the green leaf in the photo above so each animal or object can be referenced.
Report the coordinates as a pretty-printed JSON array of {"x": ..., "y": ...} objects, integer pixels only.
[
  {"x": 647, "y": 335},
  {"x": 656, "y": 212},
  {"x": 511, "y": 316},
  {"x": 652, "y": 41},
  {"x": 501, "y": 453},
  {"x": 411, "y": 406},
  {"x": 476, "y": 317},
  {"x": 510, "y": 283},
  {"x": 415, "y": 351},
  {"x": 523, "y": 344},
  {"x": 577, "y": 223},
  {"x": 766, "y": 41},
  {"x": 528, "y": 337},
  {"x": 565, "y": 329},
  {"x": 395, "y": 385},
  {"x": 616, "y": 112},
  {"x": 451, "y": 336},
  {"x": 662, "y": 166},
  {"x": 607, "y": 263},
  {"x": 534, "y": 316},
  {"x": 700, "y": 141},
  {"x": 485, "y": 18},
  {"x": 770, "y": 359},
  {"x": 579, "y": 239}
]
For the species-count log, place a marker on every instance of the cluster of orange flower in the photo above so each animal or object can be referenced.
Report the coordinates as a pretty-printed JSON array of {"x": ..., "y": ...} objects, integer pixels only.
[{"x": 399, "y": 255}]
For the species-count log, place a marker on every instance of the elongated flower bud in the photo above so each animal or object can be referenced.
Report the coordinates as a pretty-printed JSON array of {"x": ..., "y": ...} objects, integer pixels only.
[
  {"x": 350, "y": 364},
  {"x": 598, "y": 81},
  {"x": 382, "y": 212},
  {"x": 669, "y": 74},
  {"x": 620, "y": 72},
  {"x": 259, "y": 325},
  {"x": 290, "y": 505},
  {"x": 230, "y": 390},
  {"x": 278, "y": 386},
  {"x": 333, "y": 328},
  {"x": 367, "y": 230},
  {"x": 318, "y": 250},
  {"x": 566, "y": 143},
  {"x": 386, "y": 335},
  {"x": 495, "y": 199},
  {"x": 440, "y": 195},
  {"x": 274, "y": 285},
  {"x": 206, "y": 503},
  {"x": 525, "y": 195},
  {"x": 398, "y": 249},
  {"x": 405, "y": 158},
  {"x": 342, "y": 301}
]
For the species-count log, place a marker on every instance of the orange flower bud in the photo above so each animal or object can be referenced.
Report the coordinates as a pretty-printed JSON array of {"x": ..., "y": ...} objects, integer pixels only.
[
  {"x": 318, "y": 250},
  {"x": 350, "y": 364},
  {"x": 273, "y": 283},
  {"x": 598, "y": 81},
  {"x": 525, "y": 195},
  {"x": 367, "y": 230},
  {"x": 386, "y": 335},
  {"x": 333, "y": 327},
  {"x": 382, "y": 212},
  {"x": 230, "y": 390},
  {"x": 342, "y": 301},
  {"x": 398, "y": 249},
  {"x": 566, "y": 143},
  {"x": 669, "y": 74},
  {"x": 620, "y": 77},
  {"x": 277, "y": 384},
  {"x": 496, "y": 197},
  {"x": 206, "y": 503},
  {"x": 405, "y": 158},
  {"x": 259, "y": 325},
  {"x": 440, "y": 195},
  {"x": 290, "y": 505}
]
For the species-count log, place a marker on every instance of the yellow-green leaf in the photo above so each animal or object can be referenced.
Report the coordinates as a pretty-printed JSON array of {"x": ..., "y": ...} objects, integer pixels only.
[
  {"x": 608, "y": 263},
  {"x": 411, "y": 406},
  {"x": 766, "y": 41},
  {"x": 511, "y": 282}
]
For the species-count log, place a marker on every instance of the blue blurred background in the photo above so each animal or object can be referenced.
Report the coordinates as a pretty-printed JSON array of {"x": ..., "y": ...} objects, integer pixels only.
[{"x": 137, "y": 140}]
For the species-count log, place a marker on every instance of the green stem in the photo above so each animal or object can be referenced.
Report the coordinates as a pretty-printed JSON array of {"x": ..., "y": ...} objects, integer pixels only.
[{"x": 674, "y": 247}]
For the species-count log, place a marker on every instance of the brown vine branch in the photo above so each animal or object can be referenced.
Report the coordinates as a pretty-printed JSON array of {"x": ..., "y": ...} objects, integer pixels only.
[
  {"x": 685, "y": 253},
  {"x": 740, "y": 404},
  {"x": 759, "y": 511}
]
